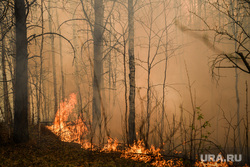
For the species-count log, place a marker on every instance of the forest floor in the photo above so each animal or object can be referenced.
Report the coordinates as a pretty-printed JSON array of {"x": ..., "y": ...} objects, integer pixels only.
[{"x": 50, "y": 151}]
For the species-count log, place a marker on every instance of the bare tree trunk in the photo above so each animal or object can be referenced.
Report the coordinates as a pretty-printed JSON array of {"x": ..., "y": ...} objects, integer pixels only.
[
  {"x": 31, "y": 117},
  {"x": 53, "y": 58},
  {"x": 41, "y": 76},
  {"x": 76, "y": 64},
  {"x": 193, "y": 124},
  {"x": 21, "y": 133},
  {"x": 98, "y": 65},
  {"x": 191, "y": 18},
  {"x": 247, "y": 127},
  {"x": 61, "y": 58},
  {"x": 165, "y": 77},
  {"x": 126, "y": 93},
  {"x": 109, "y": 61},
  {"x": 148, "y": 87},
  {"x": 235, "y": 32},
  {"x": 199, "y": 4},
  {"x": 7, "y": 108},
  {"x": 219, "y": 14},
  {"x": 131, "y": 119}
]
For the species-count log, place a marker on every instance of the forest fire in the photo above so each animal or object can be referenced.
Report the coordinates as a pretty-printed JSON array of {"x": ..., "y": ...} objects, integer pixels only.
[
  {"x": 74, "y": 131},
  {"x": 171, "y": 73},
  {"x": 71, "y": 128},
  {"x": 70, "y": 131}
]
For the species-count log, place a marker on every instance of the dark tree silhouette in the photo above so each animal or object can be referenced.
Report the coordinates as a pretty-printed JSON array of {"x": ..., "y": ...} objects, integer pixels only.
[{"x": 21, "y": 133}]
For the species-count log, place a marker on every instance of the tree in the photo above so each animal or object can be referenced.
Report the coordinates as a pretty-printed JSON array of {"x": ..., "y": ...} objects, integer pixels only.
[
  {"x": 7, "y": 107},
  {"x": 53, "y": 58},
  {"x": 165, "y": 76},
  {"x": 98, "y": 66},
  {"x": 76, "y": 64},
  {"x": 131, "y": 119},
  {"x": 234, "y": 28},
  {"x": 61, "y": 58},
  {"x": 21, "y": 133}
]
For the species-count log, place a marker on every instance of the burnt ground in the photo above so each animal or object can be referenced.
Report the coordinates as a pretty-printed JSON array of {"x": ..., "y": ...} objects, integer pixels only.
[{"x": 50, "y": 151}]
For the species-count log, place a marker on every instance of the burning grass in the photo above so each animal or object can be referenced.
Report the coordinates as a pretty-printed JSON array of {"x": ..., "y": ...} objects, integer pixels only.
[
  {"x": 111, "y": 146},
  {"x": 51, "y": 151},
  {"x": 74, "y": 131},
  {"x": 64, "y": 144},
  {"x": 138, "y": 152}
]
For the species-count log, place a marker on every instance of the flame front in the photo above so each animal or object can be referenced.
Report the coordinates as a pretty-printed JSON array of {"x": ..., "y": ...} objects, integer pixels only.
[
  {"x": 138, "y": 152},
  {"x": 111, "y": 146},
  {"x": 211, "y": 164},
  {"x": 70, "y": 131},
  {"x": 71, "y": 127}
]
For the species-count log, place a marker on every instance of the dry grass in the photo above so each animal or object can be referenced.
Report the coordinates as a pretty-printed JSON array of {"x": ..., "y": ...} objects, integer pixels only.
[{"x": 50, "y": 151}]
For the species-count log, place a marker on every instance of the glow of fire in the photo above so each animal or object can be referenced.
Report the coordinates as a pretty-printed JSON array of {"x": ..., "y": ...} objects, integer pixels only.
[
  {"x": 111, "y": 146},
  {"x": 210, "y": 164},
  {"x": 138, "y": 152},
  {"x": 74, "y": 131},
  {"x": 71, "y": 131}
]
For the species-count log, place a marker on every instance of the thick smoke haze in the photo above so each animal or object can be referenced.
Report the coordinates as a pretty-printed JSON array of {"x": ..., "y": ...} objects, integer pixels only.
[
  {"x": 190, "y": 46},
  {"x": 188, "y": 54}
]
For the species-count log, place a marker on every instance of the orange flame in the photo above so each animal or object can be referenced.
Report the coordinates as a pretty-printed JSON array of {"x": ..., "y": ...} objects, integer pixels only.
[
  {"x": 111, "y": 146},
  {"x": 74, "y": 131},
  {"x": 138, "y": 152},
  {"x": 210, "y": 164},
  {"x": 69, "y": 131}
]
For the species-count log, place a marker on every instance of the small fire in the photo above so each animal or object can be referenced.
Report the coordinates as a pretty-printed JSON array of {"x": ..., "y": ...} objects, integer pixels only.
[
  {"x": 87, "y": 145},
  {"x": 210, "y": 164},
  {"x": 138, "y": 152},
  {"x": 111, "y": 146},
  {"x": 72, "y": 131}
]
